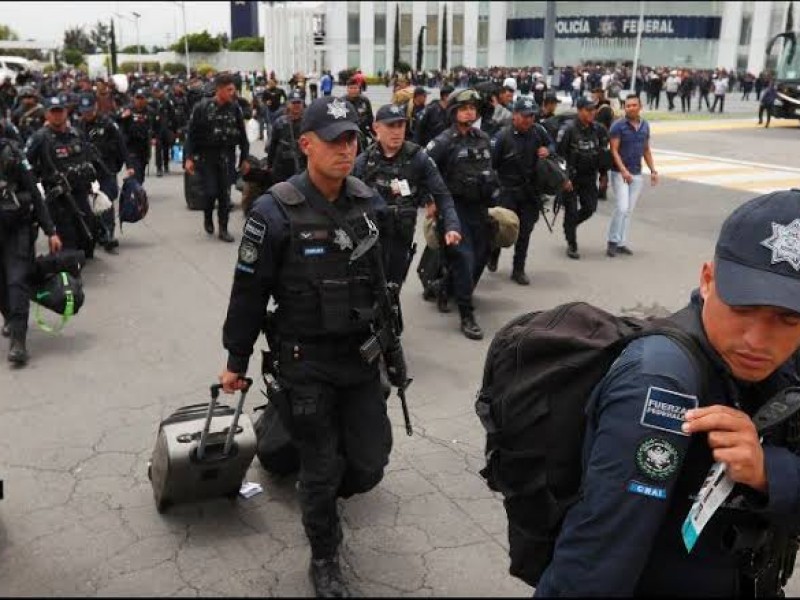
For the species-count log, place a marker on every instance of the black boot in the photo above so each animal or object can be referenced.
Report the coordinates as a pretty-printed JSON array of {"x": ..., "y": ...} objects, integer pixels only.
[
  {"x": 519, "y": 276},
  {"x": 326, "y": 575},
  {"x": 572, "y": 251},
  {"x": 469, "y": 326},
  {"x": 208, "y": 224},
  {"x": 223, "y": 232},
  {"x": 159, "y": 172},
  {"x": 17, "y": 352}
]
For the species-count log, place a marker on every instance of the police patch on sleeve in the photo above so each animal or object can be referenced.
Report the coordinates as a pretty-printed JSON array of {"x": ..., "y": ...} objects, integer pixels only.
[
  {"x": 248, "y": 252},
  {"x": 255, "y": 230},
  {"x": 646, "y": 489},
  {"x": 665, "y": 410},
  {"x": 431, "y": 145},
  {"x": 657, "y": 459}
]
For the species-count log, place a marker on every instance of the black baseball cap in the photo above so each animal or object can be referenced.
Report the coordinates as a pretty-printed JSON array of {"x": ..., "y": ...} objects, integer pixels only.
[
  {"x": 390, "y": 113},
  {"x": 420, "y": 91},
  {"x": 54, "y": 103},
  {"x": 446, "y": 90},
  {"x": 757, "y": 258},
  {"x": 526, "y": 107},
  {"x": 139, "y": 92},
  {"x": 550, "y": 97},
  {"x": 329, "y": 117},
  {"x": 295, "y": 96},
  {"x": 586, "y": 103},
  {"x": 86, "y": 103}
]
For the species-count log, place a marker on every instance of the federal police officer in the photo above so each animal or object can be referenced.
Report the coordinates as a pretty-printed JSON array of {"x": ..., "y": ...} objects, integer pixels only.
[
  {"x": 29, "y": 115},
  {"x": 164, "y": 124},
  {"x": 515, "y": 151},
  {"x": 661, "y": 418},
  {"x": 138, "y": 128},
  {"x": 56, "y": 152},
  {"x": 283, "y": 153},
  {"x": 434, "y": 119},
  {"x": 406, "y": 177},
  {"x": 111, "y": 155},
  {"x": 363, "y": 110},
  {"x": 180, "y": 103},
  {"x": 464, "y": 158},
  {"x": 21, "y": 209},
  {"x": 215, "y": 129},
  {"x": 418, "y": 109},
  {"x": 294, "y": 251},
  {"x": 584, "y": 145}
]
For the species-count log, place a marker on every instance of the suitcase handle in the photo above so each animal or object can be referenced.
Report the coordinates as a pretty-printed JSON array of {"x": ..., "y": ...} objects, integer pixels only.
[{"x": 215, "y": 389}]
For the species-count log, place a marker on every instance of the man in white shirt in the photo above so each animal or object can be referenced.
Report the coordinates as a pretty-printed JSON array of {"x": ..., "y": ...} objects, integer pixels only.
[{"x": 720, "y": 89}]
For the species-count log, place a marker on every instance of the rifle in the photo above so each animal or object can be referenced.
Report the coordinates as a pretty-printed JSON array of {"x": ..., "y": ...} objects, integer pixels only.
[
  {"x": 62, "y": 188},
  {"x": 387, "y": 324}
]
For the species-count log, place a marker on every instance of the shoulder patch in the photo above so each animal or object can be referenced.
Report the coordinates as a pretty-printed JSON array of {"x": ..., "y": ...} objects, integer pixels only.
[
  {"x": 431, "y": 145},
  {"x": 255, "y": 230},
  {"x": 665, "y": 409},
  {"x": 657, "y": 459}
]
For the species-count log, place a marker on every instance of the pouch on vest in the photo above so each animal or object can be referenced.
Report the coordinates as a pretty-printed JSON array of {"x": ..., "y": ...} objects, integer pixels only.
[{"x": 335, "y": 305}]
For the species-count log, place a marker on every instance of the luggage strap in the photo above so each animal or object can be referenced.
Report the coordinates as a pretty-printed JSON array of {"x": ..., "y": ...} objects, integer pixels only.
[{"x": 69, "y": 310}]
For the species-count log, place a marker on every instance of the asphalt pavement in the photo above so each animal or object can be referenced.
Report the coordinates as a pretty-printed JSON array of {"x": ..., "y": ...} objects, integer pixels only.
[{"x": 77, "y": 426}]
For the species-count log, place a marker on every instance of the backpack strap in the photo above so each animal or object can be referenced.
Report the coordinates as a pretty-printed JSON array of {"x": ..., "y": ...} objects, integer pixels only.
[{"x": 69, "y": 309}]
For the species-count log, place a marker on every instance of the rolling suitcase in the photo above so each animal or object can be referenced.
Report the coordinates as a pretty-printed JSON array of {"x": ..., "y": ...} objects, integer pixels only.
[
  {"x": 202, "y": 451},
  {"x": 193, "y": 191}
]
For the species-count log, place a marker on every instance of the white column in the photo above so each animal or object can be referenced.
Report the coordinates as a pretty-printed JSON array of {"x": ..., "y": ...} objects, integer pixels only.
[
  {"x": 336, "y": 35},
  {"x": 419, "y": 12},
  {"x": 470, "y": 34},
  {"x": 497, "y": 33},
  {"x": 367, "y": 37},
  {"x": 390, "y": 19},
  {"x": 762, "y": 14},
  {"x": 729, "y": 33},
  {"x": 268, "y": 39},
  {"x": 449, "y": 26}
]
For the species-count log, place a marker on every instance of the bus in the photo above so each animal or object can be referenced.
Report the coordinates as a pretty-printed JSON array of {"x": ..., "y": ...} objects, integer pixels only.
[{"x": 787, "y": 77}]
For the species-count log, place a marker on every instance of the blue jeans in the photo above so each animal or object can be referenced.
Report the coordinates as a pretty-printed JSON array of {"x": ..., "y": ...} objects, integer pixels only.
[
  {"x": 468, "y": 259},
  {"x": 626, "y": 196}
]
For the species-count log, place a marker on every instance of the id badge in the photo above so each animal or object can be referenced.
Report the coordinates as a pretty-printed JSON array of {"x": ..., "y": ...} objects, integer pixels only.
[
  {"x": 405, "y": 189},
  {"x": 715, "y": 490}
]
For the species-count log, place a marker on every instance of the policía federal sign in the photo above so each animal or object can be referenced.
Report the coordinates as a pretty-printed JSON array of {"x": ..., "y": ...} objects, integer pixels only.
[{"x": 618, "y": 26}]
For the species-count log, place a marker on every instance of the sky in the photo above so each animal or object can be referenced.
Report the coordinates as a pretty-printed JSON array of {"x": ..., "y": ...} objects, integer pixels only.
[{"x": 160, "y": 24}]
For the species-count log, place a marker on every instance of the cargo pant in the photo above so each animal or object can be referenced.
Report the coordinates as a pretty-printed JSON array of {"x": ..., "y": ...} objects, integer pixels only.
[
  {"x": 338, "y": 421},
  {"x": 16, "y": 258}
]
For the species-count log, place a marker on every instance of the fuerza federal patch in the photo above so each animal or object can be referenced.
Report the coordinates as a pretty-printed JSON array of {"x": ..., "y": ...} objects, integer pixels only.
[
  {"x": 665, "y": 410},
  {"x": 255, "y": 230}
]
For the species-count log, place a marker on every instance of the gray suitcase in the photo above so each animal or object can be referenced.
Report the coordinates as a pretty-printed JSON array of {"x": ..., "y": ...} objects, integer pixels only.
[{"x": 202, "y": 451}]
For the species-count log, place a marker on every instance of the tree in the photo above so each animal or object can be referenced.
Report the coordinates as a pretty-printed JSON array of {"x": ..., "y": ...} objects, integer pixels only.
[
  {"x": 223, "y": 39},
  {"x": 134, "y": 50},
  {"x": 443, "y": 62},
  {"x": 396, "y": 48},
  {"x": 73, "y": 56},
  {"x": 420, "y": 47},
  {"x": 157, "y": 49},
  {"x": 75, "y": 38},
  {"x": 112, "y": 43},
  {"x": 6, "y": 33},
  {"x": 790, "y": 17},
  {"x": 198, "y": 42},
  {"x": 100, "y": 36},
  {"x": 247, "y": 44}
]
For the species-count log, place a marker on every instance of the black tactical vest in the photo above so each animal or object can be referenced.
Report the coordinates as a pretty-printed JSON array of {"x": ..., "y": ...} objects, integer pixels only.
[
  {"x": 380, "y": 171},
  {"x": 319, "y": 293},
  {"x": 71, "y": 157},
  {"x": 140, "y": 128},
  {"x": 101, "y": 135},
  {"x": 287, "y": 148},
  {"x": 15, "y": 201},
  {"x": 222, "y": 125},
  {"x": 181, "y": 106},
  {"x": 469, "y": 166}
]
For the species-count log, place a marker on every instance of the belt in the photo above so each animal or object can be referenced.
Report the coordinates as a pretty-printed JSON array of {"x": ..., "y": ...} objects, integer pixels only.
[{"x": 320, "y": 350}]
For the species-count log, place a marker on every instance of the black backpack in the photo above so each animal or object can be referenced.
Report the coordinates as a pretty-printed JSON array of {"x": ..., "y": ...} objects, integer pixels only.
[{"x": 540, "y": 371}]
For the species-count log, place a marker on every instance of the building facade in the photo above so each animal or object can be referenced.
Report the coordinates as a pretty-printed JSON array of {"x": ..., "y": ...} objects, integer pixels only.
[{"x": 710, "y": 34}]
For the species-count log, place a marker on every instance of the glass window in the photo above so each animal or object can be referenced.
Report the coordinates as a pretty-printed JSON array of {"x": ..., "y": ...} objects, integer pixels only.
[
  {"x": 380, "y": 29},
  {"x": 458, "y": 30},
  {"x": 380, "y": 60},
  {"x": 483, "y": 8},
  {"x": 406, "y": 29},
  {"x": 353, "y": 29},
  {"x": 380, "y": 7},
  {"x": 353, "y": 58},
  {"x": 433, "y": 7},
  {"x": 352, "y": 7},
  {"x": 483, "y": 32},
  {"x": 741, "y": 62},
  {"x": 432, "y": 32},
  {"x": 747, "y": 28},
  {"x": 432, "y": 58},
  {"x": 458, "y": 58}
]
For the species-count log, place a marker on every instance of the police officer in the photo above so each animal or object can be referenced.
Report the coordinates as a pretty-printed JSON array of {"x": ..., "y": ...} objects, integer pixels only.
[
  {"x": 56, "y": 152},
  {"x": 417, "y": 111},
  {"x": 434, "y": 119},
  {"x": 546, "y": 114},
  {"x": 215, "y": 129},
  {"x": 583, "y": 144},
  {"x": 21, "y": 209},
  {"x": 180, "y": 114},
  {"x": 110, "y": 156},
  {"x": 363, "y": 110},
  {"x": 138, "y": 126},
  {"x": 29, "y": 115},
  {"x": 294, "y": 251},
  {"x": 515, "y": 151},
  {"x": 464, "y": 158},
  {"x": 658, "y": 421},
  {"x": 283, "y": 153},
  {"x": 406, "y": 178},
  {"x": 164, "y": 111}
]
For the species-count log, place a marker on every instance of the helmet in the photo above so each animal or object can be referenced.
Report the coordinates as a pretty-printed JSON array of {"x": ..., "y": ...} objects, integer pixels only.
[
  {"x": 27, "y": 91},
  {"x": 462, "y": 98}
]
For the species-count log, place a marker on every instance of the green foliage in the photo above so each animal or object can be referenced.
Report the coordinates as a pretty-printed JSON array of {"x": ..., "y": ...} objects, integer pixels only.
[
  {"x": 6, "y": 33},
  {"x": 150, "y": 66},
  {"x": 73, "y": 56},
  {"x": 48, "y": 68},
  {"x": 133, "y": 49},
  {"x": 199, "y": 42},
  {"x": 75, "y": 38},
  {"x": 374, "y": 80},
  {"x": 173, "y": 67},
  {"x": 402, "y": 67},
  {"x": 205, "y": 69},
  {"x": 247, "y": 44},
  {"x": 100, "y": 36}
]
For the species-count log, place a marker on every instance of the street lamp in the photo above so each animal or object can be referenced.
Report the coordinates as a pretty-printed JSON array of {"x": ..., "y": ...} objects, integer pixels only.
[
  {"x": 138, "y": 46},
  {"x": 185, "y": 38}
]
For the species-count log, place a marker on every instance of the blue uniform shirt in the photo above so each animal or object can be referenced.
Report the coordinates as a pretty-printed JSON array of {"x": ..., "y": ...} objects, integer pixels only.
[{"x": 632, "y": 143}]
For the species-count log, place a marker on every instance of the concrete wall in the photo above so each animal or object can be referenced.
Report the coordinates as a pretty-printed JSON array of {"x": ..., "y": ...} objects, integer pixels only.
[{"x": 222, "y": 61}]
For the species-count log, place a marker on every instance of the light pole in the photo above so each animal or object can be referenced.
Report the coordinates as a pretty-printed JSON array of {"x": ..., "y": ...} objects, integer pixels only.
[
  {"x": 638, "y": 50},
  {"x": 185, "y": 37},
  {"x": 138, "y": 46}
]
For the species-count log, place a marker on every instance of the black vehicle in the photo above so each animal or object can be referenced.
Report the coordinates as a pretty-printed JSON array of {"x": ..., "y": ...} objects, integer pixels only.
[{"x": 787, "y": 77}]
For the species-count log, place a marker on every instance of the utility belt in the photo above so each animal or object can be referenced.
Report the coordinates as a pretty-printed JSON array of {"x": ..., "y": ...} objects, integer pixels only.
[{"x": 321, "y": 350}]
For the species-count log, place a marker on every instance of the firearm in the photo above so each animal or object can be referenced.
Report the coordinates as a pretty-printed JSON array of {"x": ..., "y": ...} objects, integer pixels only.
[
  {"x": 62, "y": 189},
  {"x": 295, "y": 150},
  {"x": 387, "y": 322}
]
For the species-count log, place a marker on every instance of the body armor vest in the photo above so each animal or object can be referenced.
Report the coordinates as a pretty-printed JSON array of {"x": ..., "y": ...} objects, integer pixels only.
[
  {"x": 15, "y": 201},
  {"x": 71, "y": 158},
  {"x": 101, "y": 135},
  {"x": 585, "y": 149},
  {"x": 319, "y": 293},
  {"x": 181, "y": 106},
  {"x": 30, "y": 121},
  {"x": 469, "y": 167},
  {"x": 516, "y": 168},
  {"x": 221, "y": 125},
  {"x": 287, "y": 149},
  {"x": 140, "y": 129}
]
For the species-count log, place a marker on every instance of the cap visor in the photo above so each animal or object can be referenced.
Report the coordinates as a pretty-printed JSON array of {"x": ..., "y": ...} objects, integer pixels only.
[
  {"x": 334, "y": 130},
  {"x": 739, "y": 285},
  {"x": 392, "y": 119}
]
